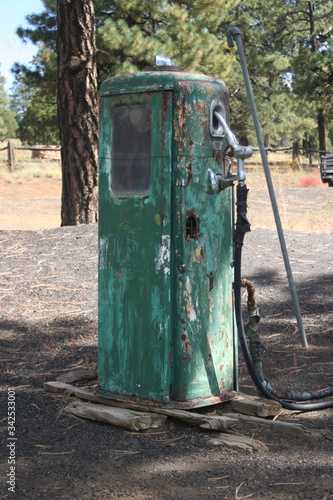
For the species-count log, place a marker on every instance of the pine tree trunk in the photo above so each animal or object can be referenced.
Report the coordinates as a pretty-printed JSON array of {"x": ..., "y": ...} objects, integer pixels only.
[
  {"x": 78, "y": 111},
  {"x": 314, "y": 48},
  {"x": 321, "y": 130}
]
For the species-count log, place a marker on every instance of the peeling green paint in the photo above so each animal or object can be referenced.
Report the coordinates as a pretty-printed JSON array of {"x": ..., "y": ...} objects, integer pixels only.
[{"x": 166, "y": 326}]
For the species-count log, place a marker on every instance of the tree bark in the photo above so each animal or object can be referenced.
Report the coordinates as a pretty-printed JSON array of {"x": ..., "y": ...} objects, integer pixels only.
[
  {"x": 314, "y": 48},
  {"x": 78, "y": 111},
  {"x": 321, "y": 130}
]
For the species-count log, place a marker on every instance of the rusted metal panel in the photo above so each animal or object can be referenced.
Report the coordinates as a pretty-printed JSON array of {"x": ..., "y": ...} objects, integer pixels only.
[
  {"x": 203, "y": 354},
  {"x": 166, "y": 333}
]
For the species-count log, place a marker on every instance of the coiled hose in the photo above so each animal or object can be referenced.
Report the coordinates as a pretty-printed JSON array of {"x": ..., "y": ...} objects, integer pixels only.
[{"x": 243, "y": 226}]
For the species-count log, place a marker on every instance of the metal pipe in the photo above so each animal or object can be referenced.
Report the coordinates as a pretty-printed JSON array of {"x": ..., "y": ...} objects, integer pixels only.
[{"x": 233, "y": 33}]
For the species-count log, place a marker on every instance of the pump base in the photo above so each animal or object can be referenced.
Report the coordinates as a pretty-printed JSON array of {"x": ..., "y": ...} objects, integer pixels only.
[{"x": 184, "y": 405}]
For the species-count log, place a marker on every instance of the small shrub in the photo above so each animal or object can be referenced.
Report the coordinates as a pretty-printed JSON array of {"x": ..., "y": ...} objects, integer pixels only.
[{"x": 310, "y": 182}]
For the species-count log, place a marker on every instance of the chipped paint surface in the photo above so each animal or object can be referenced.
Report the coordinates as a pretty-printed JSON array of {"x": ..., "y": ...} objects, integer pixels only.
[
  {"x": 191, "y": 314},
  {"x": 165, "y": 259},
  {"x": 162, "y": 259}
]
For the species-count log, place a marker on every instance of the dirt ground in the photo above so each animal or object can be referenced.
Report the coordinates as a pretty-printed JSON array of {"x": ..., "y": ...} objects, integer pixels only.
[
  {"x": 31, "y": 204},
  {"x": 48, "y": 326},
  {"x": 35, "y": 204}
]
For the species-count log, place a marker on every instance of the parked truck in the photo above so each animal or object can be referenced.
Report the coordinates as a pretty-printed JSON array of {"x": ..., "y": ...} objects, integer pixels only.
[{"x": 326, "y": 168}]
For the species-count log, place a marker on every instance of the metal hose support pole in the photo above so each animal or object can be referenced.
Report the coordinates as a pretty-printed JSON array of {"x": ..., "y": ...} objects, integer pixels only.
[{"x": 233, "y": 33}]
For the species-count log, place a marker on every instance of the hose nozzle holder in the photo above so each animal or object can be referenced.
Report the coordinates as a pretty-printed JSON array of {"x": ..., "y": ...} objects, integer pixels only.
[{"x": 219, "y": 128}]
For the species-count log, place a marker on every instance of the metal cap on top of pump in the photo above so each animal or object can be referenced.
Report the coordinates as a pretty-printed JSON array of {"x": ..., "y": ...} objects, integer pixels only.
[{"x": 163, "y": 63}]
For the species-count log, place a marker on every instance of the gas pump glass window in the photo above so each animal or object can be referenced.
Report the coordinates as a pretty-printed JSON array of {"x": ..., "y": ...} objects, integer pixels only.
[{"x": 131, "y": 157}]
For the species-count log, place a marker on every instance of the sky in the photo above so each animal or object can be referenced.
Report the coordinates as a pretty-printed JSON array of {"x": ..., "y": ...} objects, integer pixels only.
[{"x": 12, "y": 49}]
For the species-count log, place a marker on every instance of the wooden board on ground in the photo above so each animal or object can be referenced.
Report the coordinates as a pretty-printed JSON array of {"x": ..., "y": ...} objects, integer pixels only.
[
  {"x": 121, "y": 417},
  {"x": 75, "y": 376},
  {"x": 242, "y": 442},
  {"x": 212, "y": 422},
  {"x": 254, "y": 405},
  {"x": 280, "y": 426}
]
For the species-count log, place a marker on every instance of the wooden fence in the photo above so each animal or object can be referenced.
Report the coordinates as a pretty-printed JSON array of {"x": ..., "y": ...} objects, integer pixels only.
[{"x": 37, "y": 152}]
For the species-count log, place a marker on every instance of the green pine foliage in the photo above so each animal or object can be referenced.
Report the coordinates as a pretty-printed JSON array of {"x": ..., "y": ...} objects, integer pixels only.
[
  {"x": 8, "y": 124},
  {"x": 288, "y": 46}
]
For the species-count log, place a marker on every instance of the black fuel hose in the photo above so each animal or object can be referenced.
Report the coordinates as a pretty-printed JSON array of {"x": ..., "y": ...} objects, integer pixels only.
[{"x": 243, "y": 226}]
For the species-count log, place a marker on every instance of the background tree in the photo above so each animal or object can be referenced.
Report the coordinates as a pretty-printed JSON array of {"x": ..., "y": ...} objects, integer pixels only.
[
  {"x": 34, "y": 93},
  {"x": 129, "y": 34},
  {"x": 77, "y": 110},
  {"x": 288, "y": 44},
  {"x": 8, "y": 124},
  {"x": 265, "y": 35},
  {"x": 38, "y": 125},
  {"x": 312, "y": 63},
  {"x": 298, "y": 34}
]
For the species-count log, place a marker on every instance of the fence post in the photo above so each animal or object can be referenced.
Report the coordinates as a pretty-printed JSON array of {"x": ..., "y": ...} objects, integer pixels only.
[
  {"x": 11, "y": 156},
  {"x": 296, "y": 161}
]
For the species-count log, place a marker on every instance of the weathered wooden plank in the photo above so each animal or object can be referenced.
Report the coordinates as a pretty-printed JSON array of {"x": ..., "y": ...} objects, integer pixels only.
[
  {"x": 254, "y": 405},
  {"x": 278, "y": 426},
  {"x": 75, "y": 376},
  {"x": 242, "y": 442},
  {"x": 213, "y": 422},
  {"x": 121, "y": 417},
  {"x": 88, "y": 395}
]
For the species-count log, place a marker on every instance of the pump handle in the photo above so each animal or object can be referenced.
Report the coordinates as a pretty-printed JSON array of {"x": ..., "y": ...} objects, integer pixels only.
[{"x": 240, "y": 152}]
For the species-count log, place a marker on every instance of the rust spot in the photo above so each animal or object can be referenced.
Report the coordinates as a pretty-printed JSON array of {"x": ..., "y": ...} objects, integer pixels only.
[
  {"x": 182, "y": 110},
  {"x": 188, "y": 169},
  {"x": 186, "y": 346},
  {"x": 166, "y": 98},
  {"x": 211, "y": 281},
  {"x": 222, "y": 383},
  {"x": 200, "y": 106},
  {"x": 199, "y": 254}
]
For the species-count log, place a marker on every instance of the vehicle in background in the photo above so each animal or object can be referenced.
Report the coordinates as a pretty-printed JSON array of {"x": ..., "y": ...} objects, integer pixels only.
[{"x": 326, "y": 168}]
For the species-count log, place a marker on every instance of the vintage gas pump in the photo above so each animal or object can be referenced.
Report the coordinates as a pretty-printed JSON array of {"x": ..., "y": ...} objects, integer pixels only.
[{"x": 166, "y": 315}]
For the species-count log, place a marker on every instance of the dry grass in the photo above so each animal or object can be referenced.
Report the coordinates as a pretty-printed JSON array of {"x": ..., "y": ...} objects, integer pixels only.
[
  {"x": 280, "y": 166},
  {"x": 284, "y": 178},
  {"x": 28, "y": 168}
]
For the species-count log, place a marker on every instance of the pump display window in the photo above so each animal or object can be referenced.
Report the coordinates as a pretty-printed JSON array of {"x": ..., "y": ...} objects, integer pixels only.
[{"x": 131, "y": 155}]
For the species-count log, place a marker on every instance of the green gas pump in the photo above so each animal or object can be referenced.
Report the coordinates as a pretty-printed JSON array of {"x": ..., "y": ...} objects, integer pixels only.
[{"x": 166, "y": 317}]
